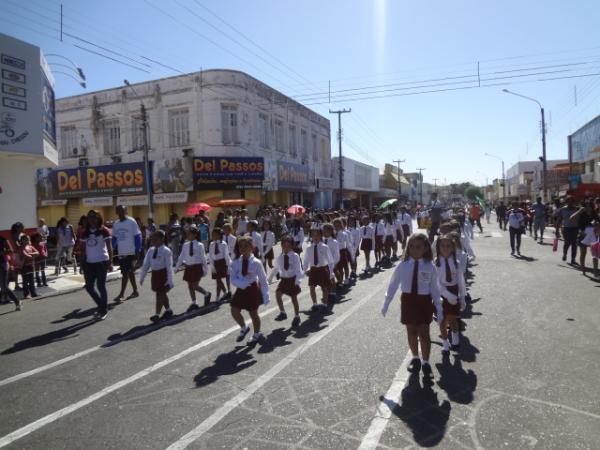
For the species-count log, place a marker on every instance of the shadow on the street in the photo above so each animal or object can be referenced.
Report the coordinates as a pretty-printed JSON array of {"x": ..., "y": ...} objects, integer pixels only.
[
  {"x": 421, "y": 411},
  {"x": 76, "y": 314},
  {"x": 143, "y": 330},
  {"x": 313, "y": 324},
  {"x": 226, "y": 364},
  {"x": 524, "y": 258},
  {"x": 49, "y": 338},
  {"x": 277, "y": 338},
  {"x": 458, "y": 383},
  {"x": 467, "y": 351}
]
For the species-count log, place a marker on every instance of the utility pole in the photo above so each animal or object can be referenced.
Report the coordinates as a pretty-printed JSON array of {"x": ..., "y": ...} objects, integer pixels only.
[
  {"x": 398, "y": 161},
  {"x": 435, "y": 184},
  {"x": 421, "y": 169},
  {"x": 544, "y": 163},
  {"x": 339, "y": 113}
]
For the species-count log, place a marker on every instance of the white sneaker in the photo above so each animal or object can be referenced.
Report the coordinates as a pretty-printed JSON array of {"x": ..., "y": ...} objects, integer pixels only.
[{"x": 255, "y": 338}]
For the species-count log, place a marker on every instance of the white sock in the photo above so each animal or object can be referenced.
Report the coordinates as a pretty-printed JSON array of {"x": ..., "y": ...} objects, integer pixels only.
[
  {"x": 257, "y": 334},
  {"x": 424, "y": 361},
  {"x": 193, "y": 301},
  {"x": 455, "y": 336}
]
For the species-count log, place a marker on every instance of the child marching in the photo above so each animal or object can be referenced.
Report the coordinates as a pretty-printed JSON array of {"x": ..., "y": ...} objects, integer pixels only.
[
  {"x": 452, "y": 288},
  {"x": 248, "y": 276},
  {"x": 318, "y": 264},
  {"x": 160, "y": 259},
  {"x": 268, "y": 242},
  {"x": 218, "y": 253},
  {"x": 367, "y": 236},
  {"x": 418, "y": 280},
  {"x": 193, "y": 257},
  {"x": 289, "y": 268}
]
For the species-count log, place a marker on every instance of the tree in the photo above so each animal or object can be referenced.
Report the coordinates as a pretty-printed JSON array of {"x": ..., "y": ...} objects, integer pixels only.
[{"x": 472, "y": 192}]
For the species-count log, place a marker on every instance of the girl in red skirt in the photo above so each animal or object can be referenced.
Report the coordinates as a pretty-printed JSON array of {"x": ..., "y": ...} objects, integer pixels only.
[
  {"x": 268, "y": 240},
  {"x": 192, "y": 255},
  {"x": 248, "y": 276},
  {"x": 160, "y": 259},
  {"x": 318, "y": 264},
  {"x": 390, "y": 237},
  {"x": 367, "y": 238},
  {"x": 452, "y": 288},
  {"x": 289, "y": 268},
  {"x": 355, "y": 239},
  {"x": 344, "y": 241},
  {"x": 334, "y": 248},
  {"x": 379, "y": 227},
  {"x": 418, "y": 280},
  {"x": 230, "y": 240},
  {"x": 218, "y": 253}
]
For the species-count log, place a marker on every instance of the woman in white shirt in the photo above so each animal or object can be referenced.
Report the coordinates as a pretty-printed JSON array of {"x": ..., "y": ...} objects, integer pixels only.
[
  {"x": 193, "y": 257},
  {"x": 418, "y": 280},
  {"x": 252, "y": 289},
  {"x": 160, "y": 259}
]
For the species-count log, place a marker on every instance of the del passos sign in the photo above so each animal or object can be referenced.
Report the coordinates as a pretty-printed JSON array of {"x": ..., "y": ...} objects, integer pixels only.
[
  {"x": 221, "y": 172},
  {"x": 292, "y": 176},
  {"x": 92, "y": 181}
]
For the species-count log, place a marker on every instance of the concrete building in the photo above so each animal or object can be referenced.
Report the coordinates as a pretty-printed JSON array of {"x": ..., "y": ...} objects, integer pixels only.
[
  {"x": 215, "y": 134},
  {"x": 361, "y": 182},
  {"x": 27, "y": 129},
  {"x": 584, "y": 151},
  {"x": 524, "y": 179}
]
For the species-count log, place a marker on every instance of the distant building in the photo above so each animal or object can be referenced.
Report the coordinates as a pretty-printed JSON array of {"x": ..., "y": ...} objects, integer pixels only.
[
  {"x": 361, "y": 183},
  {"x": 524, "y": 180},
  {"x": 584, "y": 150}
]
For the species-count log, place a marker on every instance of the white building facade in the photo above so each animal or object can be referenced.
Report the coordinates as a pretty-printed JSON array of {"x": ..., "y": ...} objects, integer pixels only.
[
  {"x": 211, "y": 134},
  {"x": 361, "y": 182}
]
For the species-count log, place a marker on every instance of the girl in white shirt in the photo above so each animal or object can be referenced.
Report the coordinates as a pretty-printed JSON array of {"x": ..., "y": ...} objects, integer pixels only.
[
  {"x": 334, "y": 248},
  {"x": 257, "y": 241},
  {"x": 289, "y": 268},
  {"x": 318, "y": 264},
  {"x": 367, "y": 237},
  {"x": 297, "y": 232},
  {"x": 343, "y": 238},
  {"x": 452, "y": 288},
  {"x": 218, "y": 253},
  {"x": 355, "y": 239},
  {"x": 160, "y": 259},
  {"x": 230, "y": 240},
  {"x": 268, "y": 242},
  {"x": 418, "y": 280},
  {"x": 192, "y": 255},
  {"x": 248, "y": 276},
  {"x": 379, "y": 227}
]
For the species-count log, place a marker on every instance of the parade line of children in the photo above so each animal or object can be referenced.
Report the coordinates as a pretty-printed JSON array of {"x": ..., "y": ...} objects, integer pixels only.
[{"x": 431, "y": 286}]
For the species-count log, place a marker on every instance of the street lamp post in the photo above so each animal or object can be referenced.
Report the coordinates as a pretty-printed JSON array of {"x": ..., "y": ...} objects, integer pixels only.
[
  {"x": 146, "y": 151},
  {"x": 503, "y": 176},
  {"x": 544, "y": 162}
]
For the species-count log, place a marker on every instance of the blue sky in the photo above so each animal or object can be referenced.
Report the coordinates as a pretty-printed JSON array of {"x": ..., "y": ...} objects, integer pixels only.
[{"x": 368, "y": 46}]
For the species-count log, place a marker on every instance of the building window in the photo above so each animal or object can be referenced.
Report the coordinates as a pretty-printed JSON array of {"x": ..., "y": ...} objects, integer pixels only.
[
  {"x": 229, "y": 124},
  {"x": 315, "y": 150},
  {"x": 263, "y": 130},
  {"x": 68, "y": 142},
  {"x": 179, "y": 128},
  {"x": 304, "y": 145},
  {"x": 279, "y": 136},
  {"x": 137, "y": 134},
  {"x": 112, "y": 137},
  {"x": 292, "y": 141}
]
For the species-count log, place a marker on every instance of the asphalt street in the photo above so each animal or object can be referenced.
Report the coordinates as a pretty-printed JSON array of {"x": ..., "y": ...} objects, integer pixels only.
[{"x": 525, "y": 376}]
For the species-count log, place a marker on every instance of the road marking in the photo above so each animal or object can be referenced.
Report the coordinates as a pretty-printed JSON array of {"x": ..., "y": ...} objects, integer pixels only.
[
  {"x": 30, "y": 428},
  {"x": 384, "y": 412},
  {"x": 236, "y": 401}
]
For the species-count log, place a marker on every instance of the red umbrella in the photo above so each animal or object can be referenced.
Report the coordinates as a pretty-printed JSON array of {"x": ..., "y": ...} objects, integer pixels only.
[
  {"x": 194, "y": 208},
  {"x": 296, "y": 209}
]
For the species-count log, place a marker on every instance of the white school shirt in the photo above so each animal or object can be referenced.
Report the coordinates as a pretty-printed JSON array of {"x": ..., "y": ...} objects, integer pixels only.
[
  {"x": 334, "y": 248},
  {"x": 390, "y": 230},
  {"x": 257, "y": 242},
  {"x": 268, "y": 238},
  {"x": 241, "y": 226},
  {"x": 379, "y": 229},
  {"x": 354, "y": 237},
  {"x": 325, "y": 258},
  {"x": 346, "y": 242},
  {"x": 163, "y": 260},
  {"x": 256, "y": 274},
  {"x": 516, "y": 219},
  {"x": 406, "y": 219},
  {"x": 462, "y": 258},
  {"x": 223, "y": 253},
  {"x": 428, "y": 283},
  {"x": 367, "y": 232},
  {"x": 298, "y": 237},
  {"x": 230, "y": 239},
  {"x": 198, "y": 256},
  {"x": 457, "y": 278},
  {"x": 124, "y": 231},
  {"x": 294, "y": 269}
]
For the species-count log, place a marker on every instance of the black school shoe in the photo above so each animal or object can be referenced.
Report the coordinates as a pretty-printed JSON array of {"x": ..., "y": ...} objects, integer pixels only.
[
  {"x": 414, "y": 366},
  {"x": 281, "y": 316},
  {"x": 427, "y": 372},
  {"x": 207, "y": 299},
  {"x": 296, "y": 322},
  {"x": 155, "y": 318},
  {"x": 167, "y": 315},
  {"x": 193, "y": 307}
]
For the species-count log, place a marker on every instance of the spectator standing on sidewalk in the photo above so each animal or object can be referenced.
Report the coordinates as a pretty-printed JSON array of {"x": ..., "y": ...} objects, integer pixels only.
[
  {"x": 173, "y": 233},
  {"x": 43, "y": 229},
  {"x": 570, "y": 228},
  {"x": 488, "y": 212},
  {"x": 97, "y": 261},
  {"x": 28, "y": 255},
  {"x": 475, "y": 215},
  {"x": 40, "y": 261},
  {"x": 127, "y": 242},
  {"x": 586, "y": 218},
  {"x": 16, "y": 232},
  {"x": 5, "y": 256},
  {"x": 65, "y": 242}
]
